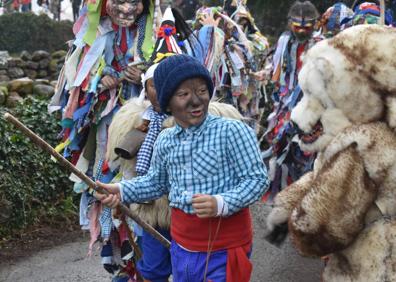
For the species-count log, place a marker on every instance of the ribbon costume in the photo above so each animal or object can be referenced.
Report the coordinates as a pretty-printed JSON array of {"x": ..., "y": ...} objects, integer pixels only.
[
  {"x": 287, "y": 162},
  {"x": 94, "y": 83}
]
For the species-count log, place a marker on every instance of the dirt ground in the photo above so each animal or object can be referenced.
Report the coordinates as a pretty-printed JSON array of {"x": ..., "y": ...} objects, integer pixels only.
[
  {"x": 36, "y": 239},
  {"x": 61, "y": 257},
  {"x": 58, "y": 254}
]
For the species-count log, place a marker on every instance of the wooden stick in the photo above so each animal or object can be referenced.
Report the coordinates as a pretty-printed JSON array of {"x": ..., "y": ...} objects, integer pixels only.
[
  {"x": 353, "y": 5},
  {"x": 70, "y": 167},
  {"x": 382, "y": 13},
  {"x": 135, "y": 246}
]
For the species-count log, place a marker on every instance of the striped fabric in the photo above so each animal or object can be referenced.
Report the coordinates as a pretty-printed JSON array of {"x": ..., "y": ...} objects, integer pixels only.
[{"x": 218, "y": 157}]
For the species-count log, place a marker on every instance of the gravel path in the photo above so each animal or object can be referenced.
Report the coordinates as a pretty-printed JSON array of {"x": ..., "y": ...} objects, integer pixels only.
[{"x": 68, "y": 262}]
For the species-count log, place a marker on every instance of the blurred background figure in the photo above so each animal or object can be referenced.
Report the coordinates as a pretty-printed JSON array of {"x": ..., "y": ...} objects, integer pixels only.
[
  {"x": 188, "y": 7},
  {"x": 55, "y": 9},
  {"x": 26, "y": 6},
  {"x": 15, "y": 5},
  {"x": 76, "y": 8}
]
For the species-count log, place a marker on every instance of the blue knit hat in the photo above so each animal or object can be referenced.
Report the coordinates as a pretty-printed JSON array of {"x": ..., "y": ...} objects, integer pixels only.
[{"x": 172, "y": 72}]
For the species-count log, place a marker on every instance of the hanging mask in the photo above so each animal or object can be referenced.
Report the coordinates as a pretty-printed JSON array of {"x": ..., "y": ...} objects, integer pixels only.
[{"x": 124, "y": 12}]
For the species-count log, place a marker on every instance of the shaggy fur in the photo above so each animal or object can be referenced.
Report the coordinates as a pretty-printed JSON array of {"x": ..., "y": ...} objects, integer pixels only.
[
  {"x": 346, "y": 207},
  {"x": 362, "y": 64},
  {"x": 371, "y": 257},
  {"x": 156, "y": 213},
  {"x": 287, "y": 200},
  {"x": 319, "y": 222}
]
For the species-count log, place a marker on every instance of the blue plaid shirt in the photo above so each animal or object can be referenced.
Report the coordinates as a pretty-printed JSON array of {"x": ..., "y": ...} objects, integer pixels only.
[{"x": 218, "y": 157}]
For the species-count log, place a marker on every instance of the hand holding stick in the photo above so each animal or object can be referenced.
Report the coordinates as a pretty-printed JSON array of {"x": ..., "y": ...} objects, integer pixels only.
[
  {"x": 70, "y": 167},
  {"x": 132, "y": 74}
]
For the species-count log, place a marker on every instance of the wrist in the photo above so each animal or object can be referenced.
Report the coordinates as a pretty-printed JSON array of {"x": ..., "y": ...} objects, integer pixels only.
[
  {"x": 222, "y": 208},
  {"x": 120, "y": 188}
]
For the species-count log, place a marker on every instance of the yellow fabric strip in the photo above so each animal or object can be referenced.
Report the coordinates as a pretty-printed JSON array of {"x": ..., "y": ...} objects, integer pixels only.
[
  {"x": 94, "y": 10},
  {"x": 148, "y": 44}
]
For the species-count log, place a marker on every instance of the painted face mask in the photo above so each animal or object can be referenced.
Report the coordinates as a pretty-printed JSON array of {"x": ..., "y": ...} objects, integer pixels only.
[
  {"x": 124, "y": 12},
  {"x": 301, "y": 28}
]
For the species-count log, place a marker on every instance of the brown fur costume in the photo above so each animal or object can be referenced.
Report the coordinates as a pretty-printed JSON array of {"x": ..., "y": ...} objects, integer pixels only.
[
  {"x": 128, "y": 117},
  {"x": 346, "y": 207}
]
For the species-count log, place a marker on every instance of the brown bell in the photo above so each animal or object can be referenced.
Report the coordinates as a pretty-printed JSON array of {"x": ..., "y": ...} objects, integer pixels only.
[{"x": 130, "y": 145}]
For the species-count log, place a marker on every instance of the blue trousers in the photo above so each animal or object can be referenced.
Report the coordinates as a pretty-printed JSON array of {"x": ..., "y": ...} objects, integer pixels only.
[
  {"x": 190, "y": 266},
  {"x": 155, "y": 265}
]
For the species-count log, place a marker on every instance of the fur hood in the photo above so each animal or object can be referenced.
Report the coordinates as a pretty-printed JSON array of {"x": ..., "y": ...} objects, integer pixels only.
[{"x": 346, "y": 80}]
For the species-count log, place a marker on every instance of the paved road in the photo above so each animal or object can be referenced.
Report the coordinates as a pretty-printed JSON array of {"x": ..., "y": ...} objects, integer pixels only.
[
  {"x": 272, "y": 264},
  {"x": 68, "y": 262}
]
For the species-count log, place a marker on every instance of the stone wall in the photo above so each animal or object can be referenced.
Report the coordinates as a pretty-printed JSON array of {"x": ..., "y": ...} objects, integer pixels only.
[
  {"x": 28, "y": 74},
  {"x": 40, "y": 64}
]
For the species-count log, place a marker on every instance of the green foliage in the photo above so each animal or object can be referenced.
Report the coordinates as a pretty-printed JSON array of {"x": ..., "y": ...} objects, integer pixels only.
[
  {"x": 26, "y": 31},
  {"x": 36, "y": 186}
]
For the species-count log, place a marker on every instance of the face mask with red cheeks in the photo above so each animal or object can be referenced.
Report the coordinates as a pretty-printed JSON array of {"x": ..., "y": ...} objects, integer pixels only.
[{"x": 302, "y": 29}]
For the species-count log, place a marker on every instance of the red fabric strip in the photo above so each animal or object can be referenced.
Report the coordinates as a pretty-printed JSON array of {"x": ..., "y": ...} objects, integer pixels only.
[
  {"x": 235, "y": 235},
  {"x": 192, "y": 232},
  {"x": 239, "y": 267},
  {"x": 124, "y": 44}
]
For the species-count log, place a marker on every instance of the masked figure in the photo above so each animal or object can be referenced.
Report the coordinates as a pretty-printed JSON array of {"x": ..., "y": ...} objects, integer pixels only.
[
  {"x": 238, "y": 52},
  {"x": 102, "y": 71},
  {"x": 286, "y": 160}
]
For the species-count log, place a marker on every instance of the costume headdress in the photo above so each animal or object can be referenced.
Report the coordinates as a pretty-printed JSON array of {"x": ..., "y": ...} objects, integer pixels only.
[
  {"x": 334, "y": 19},
  {"x": 302, "y": 18},
  {"x": 370, "y": 13},
  {"x": 166, "y": 44},
  {"x": 303, "y": 14}
]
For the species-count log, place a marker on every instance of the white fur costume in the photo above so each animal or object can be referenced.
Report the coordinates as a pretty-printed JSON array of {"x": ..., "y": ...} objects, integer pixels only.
[
  {"x": 129, "y": 117},
  {"x": 346, "y": 207}
]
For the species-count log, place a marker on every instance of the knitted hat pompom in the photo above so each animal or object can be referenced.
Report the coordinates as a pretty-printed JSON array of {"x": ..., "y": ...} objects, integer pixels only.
[{"x": 172, "y": 72}]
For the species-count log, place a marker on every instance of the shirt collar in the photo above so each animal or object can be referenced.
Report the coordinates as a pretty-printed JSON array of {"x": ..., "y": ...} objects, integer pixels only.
[{"x": 196, "y": 129}]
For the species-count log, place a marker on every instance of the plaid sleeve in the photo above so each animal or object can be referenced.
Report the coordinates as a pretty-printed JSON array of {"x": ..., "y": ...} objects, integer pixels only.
[
  {"x": 150, "y": 186},
  {"x": 106, "y": 223},
  {"x": 252, "y": 176}
]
